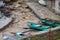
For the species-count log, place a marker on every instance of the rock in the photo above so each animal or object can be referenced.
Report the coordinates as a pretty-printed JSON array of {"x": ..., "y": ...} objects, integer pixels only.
[{"x": 4, "y": 21}]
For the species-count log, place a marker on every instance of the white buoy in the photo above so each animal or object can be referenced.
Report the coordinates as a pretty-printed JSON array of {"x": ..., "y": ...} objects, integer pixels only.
[{"x": 42, "y": 2}]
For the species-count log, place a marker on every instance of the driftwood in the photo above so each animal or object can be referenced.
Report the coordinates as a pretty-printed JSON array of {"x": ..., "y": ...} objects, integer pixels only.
[
  {"x": 46, "y": 31},
  {"x": 42, "y": 11}
]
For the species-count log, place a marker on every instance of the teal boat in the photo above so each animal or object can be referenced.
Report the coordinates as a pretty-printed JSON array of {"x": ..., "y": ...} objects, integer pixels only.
[
  {"x": 49, "y": 22},
  {"x": 37, "y": 26}
]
